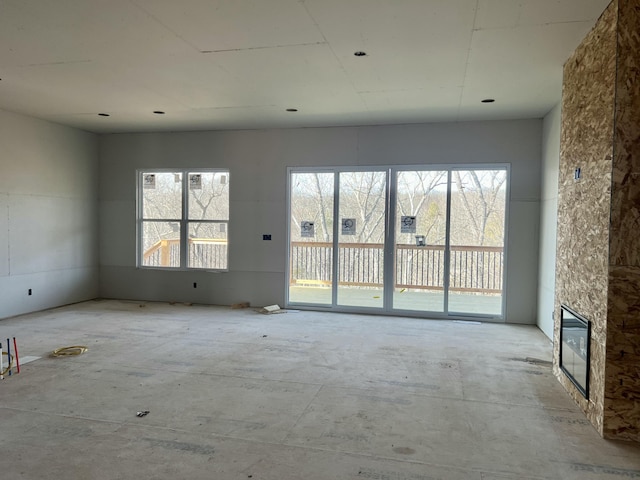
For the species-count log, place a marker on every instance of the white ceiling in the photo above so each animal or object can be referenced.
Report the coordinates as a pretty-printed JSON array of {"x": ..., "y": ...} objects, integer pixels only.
[{"x": 221, "y": 64}]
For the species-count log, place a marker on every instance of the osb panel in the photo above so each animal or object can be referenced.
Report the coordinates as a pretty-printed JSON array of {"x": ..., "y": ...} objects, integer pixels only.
[
  {"x": 622, "y": 382},
  {"x": 624, "y": 299},
  {"x": 588, "y": 103},
  {"x": 622, "y": 374},
  {"x": 593, "y": 407},
  {"x": 583, "y": 238},
  {"x": 617, "y": 425},
  {"x": 625, "y": 212},
  {"x": 582, "y": 267}
]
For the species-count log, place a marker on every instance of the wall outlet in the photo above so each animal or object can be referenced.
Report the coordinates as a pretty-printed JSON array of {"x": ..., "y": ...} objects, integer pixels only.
[
  {"x": 577, "y": 174},
  {"x": 266, "y": 237},
  {"x": 195, "y": 285},
  {"x": 30, "y": 292}
]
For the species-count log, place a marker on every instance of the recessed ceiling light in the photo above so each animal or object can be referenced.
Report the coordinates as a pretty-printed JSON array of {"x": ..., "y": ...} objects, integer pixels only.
[
  {"x": 360, "y": 53},
  {"x": 158, "y": 112},
  {"x": 292, "y": 109},
  {"x": 488, "y": 100},
  {"x": 104, "y": 115}
]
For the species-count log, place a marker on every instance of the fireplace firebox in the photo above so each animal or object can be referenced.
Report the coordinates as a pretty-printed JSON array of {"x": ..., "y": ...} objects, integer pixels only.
[{"x": 575, "y": 336}]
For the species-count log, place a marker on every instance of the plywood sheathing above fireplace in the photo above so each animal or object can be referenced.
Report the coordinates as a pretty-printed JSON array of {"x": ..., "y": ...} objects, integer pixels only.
[
  {"x": 584, "y": 205},
  {"x": 598, "y": 249}
]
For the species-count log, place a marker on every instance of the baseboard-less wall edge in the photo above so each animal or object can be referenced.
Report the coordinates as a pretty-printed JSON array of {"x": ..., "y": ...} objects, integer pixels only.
[
  {"x": 48, "y": 290},
  {"x": 11, "y": 317}
]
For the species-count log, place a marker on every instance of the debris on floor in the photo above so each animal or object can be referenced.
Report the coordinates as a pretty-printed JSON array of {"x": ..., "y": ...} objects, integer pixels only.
[
  {"x": 142, "y": 413},
  {"x": 241, "y": 305},
  {"x": 69, "y": 351},
  {"x": 271, "y": 310}
]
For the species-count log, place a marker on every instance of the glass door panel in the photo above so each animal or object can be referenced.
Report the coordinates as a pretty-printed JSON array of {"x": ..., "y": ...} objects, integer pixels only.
[
  {"x": 478, "y": 201},
  {"x": 361, "y": 234},
  {"x": 311, "y": 240},
  {"x": 420, "y": 240},
  {"x": 423, "y": 240}
]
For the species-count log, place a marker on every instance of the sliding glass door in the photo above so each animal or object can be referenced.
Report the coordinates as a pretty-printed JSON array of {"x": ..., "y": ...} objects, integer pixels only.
[
  {"x": 362, "y": 216},
  {"x": 478, "y": 206},
  {"x": 311, "y": 202},
  {"x": 415, "y": 240},
  {"x": 420, "y": 240}
]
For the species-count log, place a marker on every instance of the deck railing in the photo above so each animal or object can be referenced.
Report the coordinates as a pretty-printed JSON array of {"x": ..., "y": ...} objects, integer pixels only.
[
  {"x": 473, "y": 268},
  {"x": 203, "y": 253}
]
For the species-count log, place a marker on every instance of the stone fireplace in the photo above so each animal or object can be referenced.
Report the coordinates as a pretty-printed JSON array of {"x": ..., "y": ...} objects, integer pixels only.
[{"x": 598, "y": 246}]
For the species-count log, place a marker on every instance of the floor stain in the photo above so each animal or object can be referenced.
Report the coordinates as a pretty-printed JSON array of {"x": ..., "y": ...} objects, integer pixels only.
[
  {"x": 532, "y": 361},
  {"x": 404, "y": 450},
  {"x": 182, "y": 446}
]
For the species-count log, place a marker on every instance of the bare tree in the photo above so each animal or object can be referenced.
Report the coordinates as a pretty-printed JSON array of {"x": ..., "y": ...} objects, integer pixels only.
[
  {"x": 481, "y": 196},
  {"x": 417, "y": 189},
  {"x": 362, "y": 194},
  {"x": 208, "y": 201},
  {"x": 312, "y": 200}
]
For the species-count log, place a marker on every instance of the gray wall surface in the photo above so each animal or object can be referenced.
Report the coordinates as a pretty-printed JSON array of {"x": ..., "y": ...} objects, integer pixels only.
[
  {"x": 48, "y": 215},
  {"x": 549, "y": 219},
  {"x": 258, "y": 161}
]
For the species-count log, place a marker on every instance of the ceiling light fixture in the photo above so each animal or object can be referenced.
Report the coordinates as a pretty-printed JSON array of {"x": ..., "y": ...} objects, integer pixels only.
[
  {"x": 360, "y": 53},
  {"x": 488, "y": 100},
  {"x": 292, "y": 109},
  {"x": 158, "y": 112}
]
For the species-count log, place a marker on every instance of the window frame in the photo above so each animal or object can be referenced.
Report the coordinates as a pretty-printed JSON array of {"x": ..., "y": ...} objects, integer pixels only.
[{"x": 184, "y": 221}]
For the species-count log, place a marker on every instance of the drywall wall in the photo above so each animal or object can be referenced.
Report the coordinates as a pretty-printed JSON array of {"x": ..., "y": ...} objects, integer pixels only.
[
  {"x": 48, "y": 215},
  {"x": 258, "y": 161},
  {"x": 548, "y": 219}
]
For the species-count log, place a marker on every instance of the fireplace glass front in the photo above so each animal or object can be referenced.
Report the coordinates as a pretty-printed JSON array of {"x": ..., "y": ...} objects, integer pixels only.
[{"x": 575, "y": 334}]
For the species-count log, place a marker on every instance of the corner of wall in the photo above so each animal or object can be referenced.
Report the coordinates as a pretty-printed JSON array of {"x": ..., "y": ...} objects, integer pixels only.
[{"x": 548, "y": 219}]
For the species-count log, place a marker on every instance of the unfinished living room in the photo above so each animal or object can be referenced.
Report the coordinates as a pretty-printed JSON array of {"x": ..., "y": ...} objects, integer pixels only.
[{"x": 320, "y": 239}]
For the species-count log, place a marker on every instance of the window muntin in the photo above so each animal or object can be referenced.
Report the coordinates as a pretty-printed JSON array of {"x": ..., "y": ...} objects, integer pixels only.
[{"x": 183, "y": 219}]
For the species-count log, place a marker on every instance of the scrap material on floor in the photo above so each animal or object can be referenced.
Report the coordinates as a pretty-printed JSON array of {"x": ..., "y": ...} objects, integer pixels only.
[{"x": 311, "y": 396}]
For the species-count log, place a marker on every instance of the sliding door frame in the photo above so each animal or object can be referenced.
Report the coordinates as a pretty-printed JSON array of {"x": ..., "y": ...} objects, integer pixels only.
[{"x": 389, "y": 240}]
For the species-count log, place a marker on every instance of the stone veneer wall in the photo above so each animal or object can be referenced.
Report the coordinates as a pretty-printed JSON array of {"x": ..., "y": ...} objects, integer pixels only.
[{"x": 598, "y": 247}]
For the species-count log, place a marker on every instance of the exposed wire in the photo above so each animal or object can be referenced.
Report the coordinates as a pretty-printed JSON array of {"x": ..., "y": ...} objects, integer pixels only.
[
  {"x": 69, "y": 351},
  {"x": 10, "y": 363}
]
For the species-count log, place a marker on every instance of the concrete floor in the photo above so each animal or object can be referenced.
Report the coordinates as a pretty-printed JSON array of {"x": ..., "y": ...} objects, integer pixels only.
[{"x": 234, "y": 394}]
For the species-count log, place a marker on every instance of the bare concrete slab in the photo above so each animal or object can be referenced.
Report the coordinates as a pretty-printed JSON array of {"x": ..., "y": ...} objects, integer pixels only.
[{"x": 233, "y": 394}]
